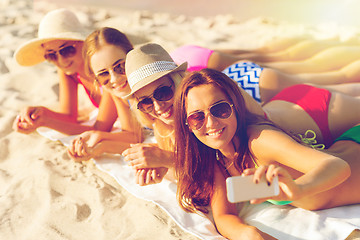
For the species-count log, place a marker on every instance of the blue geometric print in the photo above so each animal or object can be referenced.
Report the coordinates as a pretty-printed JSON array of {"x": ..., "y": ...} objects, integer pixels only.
[{"x": 247, "y": 75}]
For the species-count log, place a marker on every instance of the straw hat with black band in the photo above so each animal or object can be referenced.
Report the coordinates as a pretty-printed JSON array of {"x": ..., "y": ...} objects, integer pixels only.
[
  {"x": 147, "y": 63},
  {"x": 59, "y": 24}
]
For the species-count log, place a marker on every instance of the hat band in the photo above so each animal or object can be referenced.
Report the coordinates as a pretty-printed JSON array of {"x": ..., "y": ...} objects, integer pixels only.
[{"x": 148, "y": 70}]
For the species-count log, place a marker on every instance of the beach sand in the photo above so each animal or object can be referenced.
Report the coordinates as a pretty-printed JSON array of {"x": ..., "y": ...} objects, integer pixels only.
[{"x": 43, "y": 193}]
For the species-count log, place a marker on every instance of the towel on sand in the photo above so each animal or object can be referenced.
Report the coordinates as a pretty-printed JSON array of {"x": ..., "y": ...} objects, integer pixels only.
[{"x": 282, "y": 222}]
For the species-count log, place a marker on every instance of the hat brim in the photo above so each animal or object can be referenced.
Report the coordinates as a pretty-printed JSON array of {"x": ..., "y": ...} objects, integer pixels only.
[
  {"x": 31, "y": 53},
  {"x": 153, "y": 78}
]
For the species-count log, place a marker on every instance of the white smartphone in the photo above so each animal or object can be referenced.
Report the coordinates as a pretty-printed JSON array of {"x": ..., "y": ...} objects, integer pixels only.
[{"x": 242, "y": 188}]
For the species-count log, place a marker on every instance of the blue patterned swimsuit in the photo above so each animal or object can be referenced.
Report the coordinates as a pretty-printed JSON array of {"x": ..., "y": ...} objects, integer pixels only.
[{"x": 247, "y": 75}]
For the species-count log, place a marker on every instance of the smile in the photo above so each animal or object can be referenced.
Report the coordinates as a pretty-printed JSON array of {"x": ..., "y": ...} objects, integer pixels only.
[
  {"x": 120, "y": 87},
  {"x": 167, "y": 113},
  {"x": 216, "y": 133}
]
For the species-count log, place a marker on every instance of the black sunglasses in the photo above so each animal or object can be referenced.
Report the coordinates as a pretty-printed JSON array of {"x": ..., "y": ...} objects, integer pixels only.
[
  {"x": 66, "y": 52},
  {"x": 104, "y": 77},
  {"x": 222, "y": 110},
  {"x": 162, "y": 93}
]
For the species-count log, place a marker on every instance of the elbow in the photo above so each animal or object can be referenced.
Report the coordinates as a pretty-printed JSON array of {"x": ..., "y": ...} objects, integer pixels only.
[
  {"x": 346, "y": 170},
  {"x": 343, "y": 170}
]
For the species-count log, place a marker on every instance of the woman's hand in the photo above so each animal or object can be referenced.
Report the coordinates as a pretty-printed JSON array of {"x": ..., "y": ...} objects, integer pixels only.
[
  {"x": 85, "y": 146},
  {"x": 29, "y": 119},
  {"x": 289, "y": 190},
  {"x": 149, "y": 176},
  {"x": 145, "y": 155}
]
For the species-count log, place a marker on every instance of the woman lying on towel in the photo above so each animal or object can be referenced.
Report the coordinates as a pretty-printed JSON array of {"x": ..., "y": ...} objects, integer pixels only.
[
  {"x": 287, "y": 49},
  {"x": 60, "y": 41},
  {"x": 105, "y": 50},
  {"x": 330, "y": 59},
  {"x": 217, "y": 137},
  {"x": 297, "y": 109},
  {"x": 263, "y": 83}
]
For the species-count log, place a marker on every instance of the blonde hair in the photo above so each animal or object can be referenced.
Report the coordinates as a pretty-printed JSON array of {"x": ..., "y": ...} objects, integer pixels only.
[
  {"x": 164, "y": 141},
  {"x": 99, "y": 38}
]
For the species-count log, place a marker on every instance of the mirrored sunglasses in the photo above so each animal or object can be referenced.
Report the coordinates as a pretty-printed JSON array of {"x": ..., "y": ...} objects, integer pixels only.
[
  {"x": 222, "y": 110},
  {"x": 65, "y": 52},
  {"x": 162, "y": 93}
]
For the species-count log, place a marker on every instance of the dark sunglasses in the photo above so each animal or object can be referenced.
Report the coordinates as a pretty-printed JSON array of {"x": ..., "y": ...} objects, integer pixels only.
[
  {"x": 162, "y": 93},
  {"x": 66, "y": 52},
  {"x": 104, "y": 77},
  {"x": 222, "y": 110}
]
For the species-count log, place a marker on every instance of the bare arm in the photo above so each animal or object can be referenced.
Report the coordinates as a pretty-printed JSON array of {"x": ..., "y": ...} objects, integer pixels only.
[
  {"x": 315, "y": 171},
  {"x": 226, "y": 216}
]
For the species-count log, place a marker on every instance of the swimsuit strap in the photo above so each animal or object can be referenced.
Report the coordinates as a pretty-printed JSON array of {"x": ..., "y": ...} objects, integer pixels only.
[
  {"x": 220, "y": 161},
  {"x": 87, "y": 91}
]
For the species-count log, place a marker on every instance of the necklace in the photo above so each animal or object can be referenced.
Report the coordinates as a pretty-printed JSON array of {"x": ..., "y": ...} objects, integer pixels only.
[{"x": 219, "y": 157}]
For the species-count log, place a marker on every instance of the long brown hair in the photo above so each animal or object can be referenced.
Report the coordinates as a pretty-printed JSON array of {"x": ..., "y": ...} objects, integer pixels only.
[{"x": 195, "y": 162}]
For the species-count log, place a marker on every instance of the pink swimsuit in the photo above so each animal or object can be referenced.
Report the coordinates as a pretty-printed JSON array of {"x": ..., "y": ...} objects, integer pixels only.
[
  {"x": 196, "y": 57},
  {"x": 87, "y": 91}
]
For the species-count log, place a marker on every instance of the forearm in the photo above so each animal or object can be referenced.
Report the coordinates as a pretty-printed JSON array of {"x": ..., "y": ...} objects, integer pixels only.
[
  {"x": 111, "y": 147},
  {"x": 129, "y": 137},
  {"x": 326, "y": 176},
  {"x": 232, "y": 227},
  {"x": 63, "y": 123}
]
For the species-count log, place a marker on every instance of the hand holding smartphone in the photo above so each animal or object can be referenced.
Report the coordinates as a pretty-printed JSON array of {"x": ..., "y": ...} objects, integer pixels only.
[{"x": 242, "y": 188}]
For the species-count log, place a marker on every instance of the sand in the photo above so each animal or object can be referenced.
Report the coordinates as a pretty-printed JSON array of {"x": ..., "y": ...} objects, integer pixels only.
[{"x": 43, "y": 193}]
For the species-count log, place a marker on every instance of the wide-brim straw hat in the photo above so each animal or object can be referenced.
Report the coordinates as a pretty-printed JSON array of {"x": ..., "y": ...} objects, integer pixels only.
[
  {"x": 147, "y": 63},
  {"x": 59, "y": 24}
]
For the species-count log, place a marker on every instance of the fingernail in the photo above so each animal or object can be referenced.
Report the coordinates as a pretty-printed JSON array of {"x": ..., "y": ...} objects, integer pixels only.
[
  {"x": 268, "y": 183},
  {"x": 256, "y": 181}
]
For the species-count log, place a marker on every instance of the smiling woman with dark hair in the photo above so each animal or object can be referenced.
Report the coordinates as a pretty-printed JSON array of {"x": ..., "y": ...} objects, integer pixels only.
[{"x": 218, "y": 137}]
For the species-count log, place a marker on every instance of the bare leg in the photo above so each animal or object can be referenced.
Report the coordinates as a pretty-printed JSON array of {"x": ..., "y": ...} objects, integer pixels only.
[
  {"x": 348, "y": 74},
  {"x": 328, "y": 60},
  {"x": 300, "y": 51},
  {"x": 271, "y": 82}
]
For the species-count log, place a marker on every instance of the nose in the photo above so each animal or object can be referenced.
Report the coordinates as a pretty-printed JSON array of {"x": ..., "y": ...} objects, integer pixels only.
[
  {"x": 211, "y": 121},
  {"x": 113, "y": 77},
  {"x": 61, "y": 61},
  {"x": 157, "y": 104}
]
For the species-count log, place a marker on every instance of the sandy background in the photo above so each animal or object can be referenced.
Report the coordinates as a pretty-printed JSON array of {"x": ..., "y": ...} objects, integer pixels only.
[{"x": 45, "y": 195}]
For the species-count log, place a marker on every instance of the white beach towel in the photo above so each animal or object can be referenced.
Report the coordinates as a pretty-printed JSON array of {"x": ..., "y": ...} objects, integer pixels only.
[{"x": 282, "y": 222}]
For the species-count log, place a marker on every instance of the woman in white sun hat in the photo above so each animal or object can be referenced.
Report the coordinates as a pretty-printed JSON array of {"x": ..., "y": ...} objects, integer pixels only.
[{"x": 60, "y": 41}]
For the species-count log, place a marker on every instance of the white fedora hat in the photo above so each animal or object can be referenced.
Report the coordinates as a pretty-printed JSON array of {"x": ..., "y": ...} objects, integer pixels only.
[
  {"x": 147, "y": 63},
  {"x": 59, "y": 24}
]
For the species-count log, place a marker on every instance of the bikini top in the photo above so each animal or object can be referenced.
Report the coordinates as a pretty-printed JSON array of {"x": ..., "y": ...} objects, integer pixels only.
[{"x": 87, "y": 91}]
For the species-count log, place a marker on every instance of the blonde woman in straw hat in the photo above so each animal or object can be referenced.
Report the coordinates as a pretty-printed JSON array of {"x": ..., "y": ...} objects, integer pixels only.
[
  {"x": 60, "y": 40},
  {"x": 153, "y": 77}
]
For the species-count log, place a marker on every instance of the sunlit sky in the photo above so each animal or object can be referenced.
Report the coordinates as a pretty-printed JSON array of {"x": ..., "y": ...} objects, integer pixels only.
[{"x": 343, "y": 12}]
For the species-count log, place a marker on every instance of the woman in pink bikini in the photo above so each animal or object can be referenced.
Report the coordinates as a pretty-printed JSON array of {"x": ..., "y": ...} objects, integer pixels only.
[
  {"x": 60, "y": 41},
  {"x": 263, "y": 83}
]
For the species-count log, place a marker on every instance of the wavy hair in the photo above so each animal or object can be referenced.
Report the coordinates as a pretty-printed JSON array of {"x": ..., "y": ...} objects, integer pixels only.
[{"x": 195, "y": 162}]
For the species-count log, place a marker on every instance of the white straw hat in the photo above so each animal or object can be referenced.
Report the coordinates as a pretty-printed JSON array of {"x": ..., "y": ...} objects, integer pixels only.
[
  {"x": 59, "y": 24},
  {"x": 147, "y": 63}
]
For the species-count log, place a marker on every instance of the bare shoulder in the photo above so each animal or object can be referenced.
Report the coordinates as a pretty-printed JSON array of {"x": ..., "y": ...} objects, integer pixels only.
[{"x": 265, "y": 139}]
